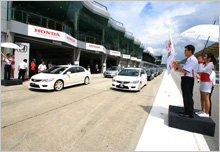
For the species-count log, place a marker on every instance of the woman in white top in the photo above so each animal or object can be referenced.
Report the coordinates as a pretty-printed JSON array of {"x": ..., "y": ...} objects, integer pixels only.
[{"x": 205, "y": 82}]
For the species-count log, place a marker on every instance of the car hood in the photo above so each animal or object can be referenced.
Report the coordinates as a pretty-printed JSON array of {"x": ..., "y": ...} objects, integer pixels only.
[
  {"x": 126, "y": 78},
  {"x": 45, "y": 76}
]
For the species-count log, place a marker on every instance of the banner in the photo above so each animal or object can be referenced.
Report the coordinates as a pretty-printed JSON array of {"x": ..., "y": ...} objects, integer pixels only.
[
  {"x": 170, "y": 56},
  {"x": 20, "y": 55},
  {"x": 49, "y": 34},
  {"x": 95, "y": 47},
  {"x": 115, "y": 53}
]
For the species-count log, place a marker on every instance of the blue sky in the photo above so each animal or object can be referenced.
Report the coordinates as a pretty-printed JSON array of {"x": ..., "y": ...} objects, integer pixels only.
[{"x": 150, "y": 21}]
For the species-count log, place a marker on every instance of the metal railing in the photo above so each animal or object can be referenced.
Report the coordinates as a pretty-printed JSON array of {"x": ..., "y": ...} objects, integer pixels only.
[
  {"x": 35, "y": 19},
  {"x": 117, "y": 22},
  {"x": 90, "y": 39},
  {"x": 99, "y": 5},
  {"x": 129, "y": 33},
  {"x": 136, "y": 39}
]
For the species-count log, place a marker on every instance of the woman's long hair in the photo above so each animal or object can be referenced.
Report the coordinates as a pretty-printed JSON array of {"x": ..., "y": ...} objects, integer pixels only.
[{"x": 210, "y": 55}]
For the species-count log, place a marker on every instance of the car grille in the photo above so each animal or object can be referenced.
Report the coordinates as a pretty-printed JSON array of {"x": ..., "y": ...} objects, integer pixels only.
[
  {"x": 36, "y": 80},
  {"x": 34, "y": 85},
  {"x": 124, "y": 82}
]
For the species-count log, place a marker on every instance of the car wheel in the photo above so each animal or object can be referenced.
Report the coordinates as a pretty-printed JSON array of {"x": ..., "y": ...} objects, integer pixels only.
[
  {"x": 86, "y": 80},
  {"x": 58, "y": 85}
]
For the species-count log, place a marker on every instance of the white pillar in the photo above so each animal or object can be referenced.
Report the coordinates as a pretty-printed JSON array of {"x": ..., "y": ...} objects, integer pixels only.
[
  {"x": 103, "y": 63},
  {"x": 77, "y": 53}
]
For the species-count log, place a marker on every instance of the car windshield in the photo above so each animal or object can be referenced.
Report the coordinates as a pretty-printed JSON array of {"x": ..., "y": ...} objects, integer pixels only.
[
  {"x": 55, "y": 70},
  {"x": 129, "y": 72},
  {"x": 112, "y": 69},
  {"x": 146, "y": 70}
]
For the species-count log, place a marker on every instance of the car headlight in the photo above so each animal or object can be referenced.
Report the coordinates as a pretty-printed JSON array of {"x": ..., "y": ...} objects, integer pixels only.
[
  {"x": 48, "y": 80},
  {"x": 113, "y": 80},
  {"x": 134, "y": 82}
]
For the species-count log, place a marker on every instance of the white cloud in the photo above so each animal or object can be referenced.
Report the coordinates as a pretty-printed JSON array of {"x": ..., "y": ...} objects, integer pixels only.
[{"x": 150, "y": 22}]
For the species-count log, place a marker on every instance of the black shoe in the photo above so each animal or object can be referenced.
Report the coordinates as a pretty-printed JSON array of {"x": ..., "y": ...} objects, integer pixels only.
[
  {"x": 185, "y": 115},
  {"x": 182, "y": 112}
]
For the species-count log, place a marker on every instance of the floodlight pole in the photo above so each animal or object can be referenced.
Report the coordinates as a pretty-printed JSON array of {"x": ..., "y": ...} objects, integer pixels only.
[{"x": 206, "y": 42}]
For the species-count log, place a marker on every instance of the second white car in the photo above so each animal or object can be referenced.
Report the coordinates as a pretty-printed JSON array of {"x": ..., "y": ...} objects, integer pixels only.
[{"x": 130, "y": 79}]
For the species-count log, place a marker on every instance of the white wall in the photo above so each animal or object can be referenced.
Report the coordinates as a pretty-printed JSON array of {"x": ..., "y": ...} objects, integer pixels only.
[{"x": 3, "y": 16}]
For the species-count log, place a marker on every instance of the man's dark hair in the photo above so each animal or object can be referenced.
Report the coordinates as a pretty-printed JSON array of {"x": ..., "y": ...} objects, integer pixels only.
[
  {"x": 7, "y": 54},
  {"x": 25, "y": 60},
  {"x": 190, "y": 48}
]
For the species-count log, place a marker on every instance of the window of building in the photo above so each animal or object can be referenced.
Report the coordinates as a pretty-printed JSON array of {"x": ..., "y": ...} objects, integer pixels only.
[
  {"x": 34, "y": 19},
  {"x": 44, "y": 22},
  {"x": 51, "y": 24},
  {"x": 59, "y": 26},
  {"x": 18, "y": 15}
]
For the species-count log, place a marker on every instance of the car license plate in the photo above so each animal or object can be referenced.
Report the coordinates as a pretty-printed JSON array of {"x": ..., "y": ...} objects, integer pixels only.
[{"x": 121, "y": 85}]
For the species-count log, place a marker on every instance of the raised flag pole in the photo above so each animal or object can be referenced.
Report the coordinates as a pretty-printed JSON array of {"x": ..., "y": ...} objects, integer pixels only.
[{"x": 170, "y": 56}]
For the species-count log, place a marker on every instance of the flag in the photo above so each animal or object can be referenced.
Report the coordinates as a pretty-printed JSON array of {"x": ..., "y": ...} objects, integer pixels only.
[{"x": 170, "y": 56}]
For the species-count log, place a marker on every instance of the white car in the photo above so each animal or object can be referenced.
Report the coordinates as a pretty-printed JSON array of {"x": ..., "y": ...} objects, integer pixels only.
[
  {"x": 59, "y": 77},
  {"x": 130, "y": 79}
]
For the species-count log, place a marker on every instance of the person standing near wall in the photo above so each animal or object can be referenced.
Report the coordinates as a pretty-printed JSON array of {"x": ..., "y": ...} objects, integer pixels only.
[
  {"x": 42, "y": 67},
  {"x": 13, "y": 66},
  {"x": 97, "y": 68},
  {"x": 50, "y": 65},
  {"x": 22, "y": 68},
  {"x": 7, "y": 71},
  {"x": 32, "y": 71}
]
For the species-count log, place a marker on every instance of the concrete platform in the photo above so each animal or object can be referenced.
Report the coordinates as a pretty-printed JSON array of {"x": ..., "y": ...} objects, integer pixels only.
[
  {"x": 11, "y": 82},
  {"x": 205, "y": 126}
]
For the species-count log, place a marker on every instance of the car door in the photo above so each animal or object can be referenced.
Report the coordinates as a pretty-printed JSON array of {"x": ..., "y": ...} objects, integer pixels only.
[
  {"x": 69, "y": 76},
  {"x": 80, "y": 74},
  {"x": 143, "y": 77}
]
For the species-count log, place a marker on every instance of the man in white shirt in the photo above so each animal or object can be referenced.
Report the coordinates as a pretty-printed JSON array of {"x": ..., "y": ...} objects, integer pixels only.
[
  {"x": 7, "y": 70},
  {"x": 22, "y": 68},
  {"x": 188, "y": 72},
  {"x": 42, "y": 67}
]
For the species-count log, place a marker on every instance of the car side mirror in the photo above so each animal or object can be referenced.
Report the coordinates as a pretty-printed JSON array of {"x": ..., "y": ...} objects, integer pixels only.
[{"x": 68, "y": 73}]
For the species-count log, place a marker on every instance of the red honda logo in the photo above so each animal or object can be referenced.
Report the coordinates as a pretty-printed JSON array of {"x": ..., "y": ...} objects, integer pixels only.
[{"x": 46, "y": 32}]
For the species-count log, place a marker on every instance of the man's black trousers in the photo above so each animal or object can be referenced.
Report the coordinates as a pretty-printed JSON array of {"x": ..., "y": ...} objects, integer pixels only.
[
  {"x": 7, "y": 72},
  {"x": 187, "y": 84},
  {"x": 22, "y": 73}
]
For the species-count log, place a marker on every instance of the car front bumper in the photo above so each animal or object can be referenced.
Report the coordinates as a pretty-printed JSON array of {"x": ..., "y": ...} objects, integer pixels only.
[
  {"x": 41, "y": 85},
  {"x": 128, "y": 86}
]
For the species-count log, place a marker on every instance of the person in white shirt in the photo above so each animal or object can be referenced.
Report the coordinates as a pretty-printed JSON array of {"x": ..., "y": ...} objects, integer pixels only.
[
  {"x": 42, "y": 67},
  {"x": 205, "y": 83},
  {"x": 213, "y": 80},
  {"x": 188, "y": 72},
  {"x": 7, "y": 70},
  {"x": 50, "y": 65},
  {"x": 22, "y": 68}
]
